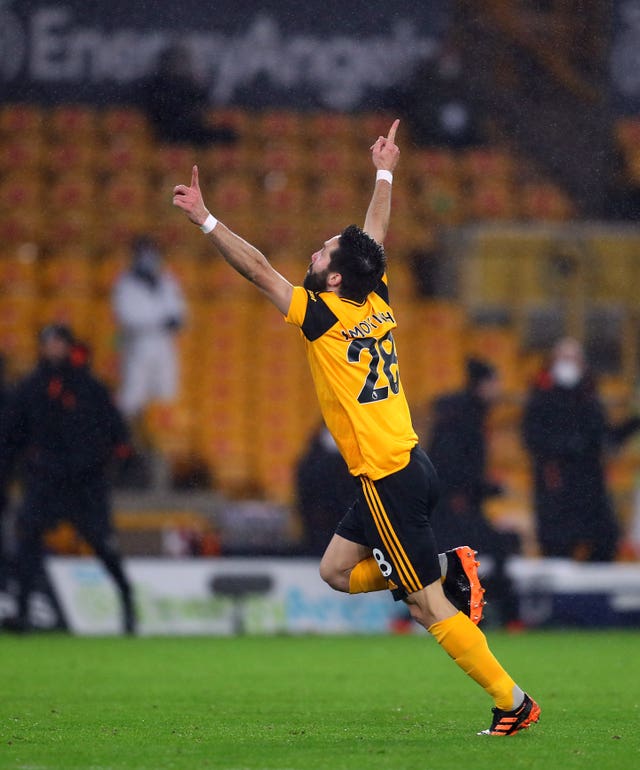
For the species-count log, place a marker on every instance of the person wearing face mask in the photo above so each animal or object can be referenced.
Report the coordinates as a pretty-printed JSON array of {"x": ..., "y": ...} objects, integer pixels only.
[
  {"x": 149, "y": 309},
  {"x": 63, "y": 430},
  {"x": 566, "y": 431}
]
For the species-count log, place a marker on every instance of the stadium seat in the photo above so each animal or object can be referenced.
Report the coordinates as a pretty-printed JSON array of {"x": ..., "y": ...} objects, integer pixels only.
[
  {"x": 69, "y": 271},
  {"x": 21, "y": 153},
  {"x": 21, "y": 190},
  {"x": 329, "y": 127},
  {"x": 123, "y": 121},
  {"x": 19, "y": 271},
  {"x": 544, "y": 201},
  {"x": 21, "y": 119},
  {"x": 169, "y": 427},
  {"x": 441, "y": 199},
  {"x": 174, "y": 161},
  {"x": 240, "y": 158},
  {"x": 19, "y": 349},
  {"x": 328, "y": 159},
  {"x": 108, "y": 267},
  {"x": 72, "y": 156},
  {"x": 127, "y": 191},
  {"x": 77, "y": 226},
  {"x": 433, "y": 163},
  {"x": 492, "y": 199},
  {"x": 233, "y": 193},
  {"x": 186, "y": 268},
  {"x": 282, "y": 194},
  {"x": 18, "y": 312},
  {"x": 68, "y": 122},
  {"x": 75, "y": 311},
  {"x": 284, "y": 125},
  {"x": 287, "y": 157},
  {"x": 73, "y": 192},
  {"x": 488, "y": 164},
  {"x": 124, "y": 152},
  {"x": 22, "y": 226},
  {"x": 336, "y": 196}
]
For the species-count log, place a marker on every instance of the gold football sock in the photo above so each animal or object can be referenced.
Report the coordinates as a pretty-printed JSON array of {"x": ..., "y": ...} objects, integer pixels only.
[
  {"x": 467, "y": 645},
  {"x": 366, "y": 576}
]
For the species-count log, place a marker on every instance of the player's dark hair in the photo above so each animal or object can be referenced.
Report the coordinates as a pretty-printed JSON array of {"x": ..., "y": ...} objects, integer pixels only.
[{"x": 361, "y": 262}]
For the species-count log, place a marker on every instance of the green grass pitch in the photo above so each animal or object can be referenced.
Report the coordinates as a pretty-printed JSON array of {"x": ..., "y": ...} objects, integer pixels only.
[{"x": 330, "y": 703}]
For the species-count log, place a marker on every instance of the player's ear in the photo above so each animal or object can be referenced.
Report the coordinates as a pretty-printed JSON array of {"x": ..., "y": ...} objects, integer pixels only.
[{"x": 334, "y": 280}]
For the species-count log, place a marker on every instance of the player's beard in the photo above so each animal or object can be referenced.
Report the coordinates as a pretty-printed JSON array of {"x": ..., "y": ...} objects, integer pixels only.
[{"x": 316, "y": 281}]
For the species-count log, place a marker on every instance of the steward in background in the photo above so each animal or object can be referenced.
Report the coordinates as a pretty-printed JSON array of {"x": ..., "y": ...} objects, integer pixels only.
[
  {"x": 64, "y": 428},
  {"x": 567, "y": 433}
]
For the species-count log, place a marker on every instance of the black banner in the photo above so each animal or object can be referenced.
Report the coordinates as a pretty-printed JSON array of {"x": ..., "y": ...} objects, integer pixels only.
[{"x": 316, "y": 53}]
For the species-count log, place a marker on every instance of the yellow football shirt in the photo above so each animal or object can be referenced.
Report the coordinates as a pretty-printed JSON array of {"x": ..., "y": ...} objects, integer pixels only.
[{"x": 354, "y": 366}]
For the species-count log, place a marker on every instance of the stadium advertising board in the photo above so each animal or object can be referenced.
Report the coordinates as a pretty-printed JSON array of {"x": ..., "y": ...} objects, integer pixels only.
[
  {"x": 320, "y": 53},
  {"x": 195, "y": 596},
  {"x": 175, "y": 596}
]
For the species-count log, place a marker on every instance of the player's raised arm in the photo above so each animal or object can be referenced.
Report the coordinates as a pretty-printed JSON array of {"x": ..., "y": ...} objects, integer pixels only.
[
  {"x": 384, "y": 154},
  {"x": 242, "y": 256}
]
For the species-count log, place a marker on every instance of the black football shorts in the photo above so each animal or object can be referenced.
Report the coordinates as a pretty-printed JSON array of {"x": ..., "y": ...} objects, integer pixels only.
[{"x": 392, "y": 516}]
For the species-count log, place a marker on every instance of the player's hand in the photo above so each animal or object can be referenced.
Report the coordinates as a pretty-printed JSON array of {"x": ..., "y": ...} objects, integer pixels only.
[
  {"x": 189, "y": 199},
  {"x": 384, "y": 151}
]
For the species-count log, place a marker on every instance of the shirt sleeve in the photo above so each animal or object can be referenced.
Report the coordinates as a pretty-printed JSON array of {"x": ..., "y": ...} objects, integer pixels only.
[
  {"x": 310, "y": 313},
  {"x": 298, "y": 306}
]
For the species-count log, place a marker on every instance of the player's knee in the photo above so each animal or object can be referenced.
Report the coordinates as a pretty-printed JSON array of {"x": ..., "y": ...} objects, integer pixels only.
[
  {"x": 333, "y": 577},
  {"x": 419, "y": 615}
]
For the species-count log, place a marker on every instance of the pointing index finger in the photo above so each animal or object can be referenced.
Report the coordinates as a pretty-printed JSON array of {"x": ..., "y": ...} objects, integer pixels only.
[
  {"x": 194, "y": 178},
  {"x": 391, "y": 137}
]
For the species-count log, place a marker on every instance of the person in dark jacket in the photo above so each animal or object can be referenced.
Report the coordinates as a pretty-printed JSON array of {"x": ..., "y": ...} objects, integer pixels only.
[
  {"x": 63, "y": 426},
  {"x": 325, "y": 490},
  {"x": 4, "y": 398},
  {"x": 176, "y": 102},
  {"x": 567, "y": 432},
  {"x": 457, "y": 448}
]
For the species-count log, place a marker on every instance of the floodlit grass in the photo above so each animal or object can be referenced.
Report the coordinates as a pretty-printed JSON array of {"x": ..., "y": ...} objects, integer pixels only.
[{"x": 364, "y": 703}]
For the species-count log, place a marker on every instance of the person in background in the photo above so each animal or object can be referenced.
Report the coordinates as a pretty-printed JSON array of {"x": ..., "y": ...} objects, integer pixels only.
[
  {"x": 439, "y": 104},
  {"x": 458, "y": 450},
  {"x": 149, "y": 308},
  {"x": 176, "y": 102},
  {"x": 325, "y": 490},
  {"x": 63, "y": 426},
  {"x": 4, "y": 398},
  {"x": 567, "y": 433}
]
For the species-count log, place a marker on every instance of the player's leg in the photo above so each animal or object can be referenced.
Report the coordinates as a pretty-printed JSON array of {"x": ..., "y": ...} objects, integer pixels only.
[
  {"x": 400, "y": 507},
  {"x": 467, "y": 646},
  {"x": 340, "y": 560},
  {"x": 134, "y": 389},
  {"x": 165, "y": 376},
  {"x": 348, "y": 564},
  {"x": 92, "y": 518},
  {"x": 34, "y": 518}
]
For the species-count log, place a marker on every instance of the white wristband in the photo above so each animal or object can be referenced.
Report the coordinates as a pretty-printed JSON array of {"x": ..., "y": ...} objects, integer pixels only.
[
  {"x": 209, "y": 223},
  {"x": 382, "y": 173}
]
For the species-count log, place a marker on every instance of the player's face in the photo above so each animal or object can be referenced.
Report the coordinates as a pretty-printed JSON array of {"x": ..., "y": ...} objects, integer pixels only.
[{"x": 316, "y": 277}]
